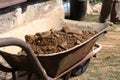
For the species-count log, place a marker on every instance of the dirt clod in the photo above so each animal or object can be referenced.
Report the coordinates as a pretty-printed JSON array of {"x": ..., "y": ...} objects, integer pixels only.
[{"x": 56, "y": 41}]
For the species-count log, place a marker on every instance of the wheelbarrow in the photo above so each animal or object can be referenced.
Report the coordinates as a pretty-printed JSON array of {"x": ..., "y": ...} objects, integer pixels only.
[{"x": 55, "y": 65}]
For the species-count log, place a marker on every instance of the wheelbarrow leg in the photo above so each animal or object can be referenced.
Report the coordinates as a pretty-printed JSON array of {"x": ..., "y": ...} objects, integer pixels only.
[
  {"x": 67, "y": 76},
  {"x": 14, "y": 75},
  {"x": 29, "y": 76}
]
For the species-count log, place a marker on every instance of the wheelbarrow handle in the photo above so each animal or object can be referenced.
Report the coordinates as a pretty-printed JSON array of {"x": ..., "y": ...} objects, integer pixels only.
[{"x": 10, "y": 41}]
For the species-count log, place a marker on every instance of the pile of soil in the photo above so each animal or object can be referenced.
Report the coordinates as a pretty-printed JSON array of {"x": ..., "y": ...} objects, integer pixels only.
[{"x": 56, "y": 41}]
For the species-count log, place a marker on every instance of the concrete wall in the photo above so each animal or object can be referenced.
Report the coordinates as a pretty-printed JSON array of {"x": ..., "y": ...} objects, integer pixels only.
[
  {"x": 25, "y": 13},
  {"x": 35, "y": 18}
]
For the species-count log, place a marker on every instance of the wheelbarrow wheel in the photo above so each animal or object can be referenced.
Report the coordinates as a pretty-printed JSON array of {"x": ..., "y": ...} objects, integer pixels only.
[{"x": 80, "y": 69}]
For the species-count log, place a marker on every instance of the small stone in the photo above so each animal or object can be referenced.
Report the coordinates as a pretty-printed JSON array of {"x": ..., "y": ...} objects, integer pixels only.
[{"x": 78, "y": 42}]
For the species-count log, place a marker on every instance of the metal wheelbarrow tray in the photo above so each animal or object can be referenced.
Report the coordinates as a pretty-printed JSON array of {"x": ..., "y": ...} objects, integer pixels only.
[{"x": 52, "y": 66}]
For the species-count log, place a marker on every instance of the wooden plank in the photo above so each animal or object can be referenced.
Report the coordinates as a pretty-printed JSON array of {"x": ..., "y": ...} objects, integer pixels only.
[{"x": 6, "y": 3}]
